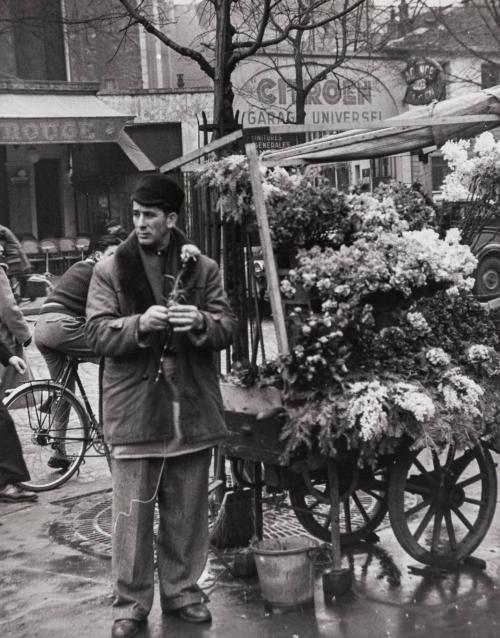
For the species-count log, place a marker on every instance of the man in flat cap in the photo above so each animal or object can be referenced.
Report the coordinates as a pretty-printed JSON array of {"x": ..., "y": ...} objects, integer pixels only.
[{"x": 162, "y": 405}]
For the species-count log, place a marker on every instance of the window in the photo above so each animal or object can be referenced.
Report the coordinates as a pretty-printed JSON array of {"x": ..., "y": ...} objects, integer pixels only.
[
  {"x": 490, "y": 75},
  {"x": 439, "y": 170},
  {"x": 38, "y": 39}
]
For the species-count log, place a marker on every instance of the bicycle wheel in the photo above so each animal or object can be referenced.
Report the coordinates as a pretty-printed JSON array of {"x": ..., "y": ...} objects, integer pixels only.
[{"x": 51, "y": 424}]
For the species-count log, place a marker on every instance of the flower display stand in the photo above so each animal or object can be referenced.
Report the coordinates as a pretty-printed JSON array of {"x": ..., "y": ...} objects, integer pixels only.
[{"x": 253, "y": 434}]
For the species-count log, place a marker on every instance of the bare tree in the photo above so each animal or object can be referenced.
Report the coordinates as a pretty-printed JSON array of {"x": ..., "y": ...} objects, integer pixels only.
[
  {"x": 235, "y": 31},
  {"x": 327, "y": 51},
  {"x": 238, "y": 33}
]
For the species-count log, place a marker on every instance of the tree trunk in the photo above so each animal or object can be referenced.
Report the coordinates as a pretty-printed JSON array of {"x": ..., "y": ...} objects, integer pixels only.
[
  {"x": 223, "y": 90},
  {"x": 300, "y": 106},
  {"x": 300, "y": 93}
]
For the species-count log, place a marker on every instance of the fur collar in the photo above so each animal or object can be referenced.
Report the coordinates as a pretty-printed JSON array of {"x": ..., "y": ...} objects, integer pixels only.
[{"x": 131, "y": 274}]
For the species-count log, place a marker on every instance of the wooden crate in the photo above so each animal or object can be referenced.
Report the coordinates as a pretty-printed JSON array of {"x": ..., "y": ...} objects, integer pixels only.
[{"x": 251, "y": 438}]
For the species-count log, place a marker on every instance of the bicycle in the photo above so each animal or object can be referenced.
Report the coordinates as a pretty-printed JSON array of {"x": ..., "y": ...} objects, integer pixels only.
[
  {"x": 43, "y": 405},
  {"x": 51, "y": 419}
]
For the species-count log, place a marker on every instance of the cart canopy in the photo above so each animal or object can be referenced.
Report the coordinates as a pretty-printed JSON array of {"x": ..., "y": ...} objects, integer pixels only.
[{"x": 457, "y": 117}]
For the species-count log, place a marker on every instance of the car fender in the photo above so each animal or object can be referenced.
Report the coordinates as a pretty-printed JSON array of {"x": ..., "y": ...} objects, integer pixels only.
[{"x": 487, "y": 250}]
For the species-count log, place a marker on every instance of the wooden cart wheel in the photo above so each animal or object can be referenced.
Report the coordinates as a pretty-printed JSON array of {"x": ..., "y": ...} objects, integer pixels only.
[
  {"x": 363, "y": 503},
  {"x": 441, "y": 505}
]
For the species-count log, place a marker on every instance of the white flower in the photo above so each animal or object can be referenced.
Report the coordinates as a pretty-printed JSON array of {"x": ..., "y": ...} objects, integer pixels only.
[
  {"x": 269, "y": 190},
  {"x": 342, "y": 290},
  {"x": 485, "y": 143},
  {"x": 438, "y": 357},
  {"x": 461, "y": 393},
  {"x": 287, "y": 289},
  {"x": 455, "y": 152},
  {"x": 367, "y": 409},
  {"x": 189, "y": 252},
  {"x": 299, "y": 352},
  {"x": 453, "y": 236},
  {"x": 410, "y": 398},
  {"x": 325, "y": 283},
  {"x": 478, "y": 353},
  {"x": 418, "y": 322}
]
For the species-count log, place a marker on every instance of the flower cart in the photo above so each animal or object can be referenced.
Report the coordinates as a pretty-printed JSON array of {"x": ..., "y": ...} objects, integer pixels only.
[{"x": 384, "y": 390}]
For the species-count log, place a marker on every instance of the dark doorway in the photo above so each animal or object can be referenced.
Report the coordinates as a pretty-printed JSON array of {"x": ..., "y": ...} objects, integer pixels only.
[{"x": 48, "y": 198}]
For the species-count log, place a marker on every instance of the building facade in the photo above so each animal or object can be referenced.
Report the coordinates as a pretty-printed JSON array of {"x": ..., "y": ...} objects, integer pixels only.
[{"x": 83, "y": 110}]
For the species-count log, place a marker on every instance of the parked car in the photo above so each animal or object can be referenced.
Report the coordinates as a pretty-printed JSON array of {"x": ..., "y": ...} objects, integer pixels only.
[{"x": 485, "y": 246}]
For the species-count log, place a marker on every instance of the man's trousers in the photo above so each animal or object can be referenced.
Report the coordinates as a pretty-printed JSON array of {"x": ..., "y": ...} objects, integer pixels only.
[{"x": 180, "y": 485}]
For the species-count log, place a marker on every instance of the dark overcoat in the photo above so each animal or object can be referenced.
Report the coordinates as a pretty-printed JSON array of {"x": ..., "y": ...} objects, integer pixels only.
[{"x": 136, "y": 407}]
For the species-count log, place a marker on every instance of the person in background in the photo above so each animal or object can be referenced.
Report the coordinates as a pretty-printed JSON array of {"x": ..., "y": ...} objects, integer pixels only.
[
  {"x": 59, "y": 331},
  {"x": 14, "y": 330},
  {"x": 114, "y": 227},
  {"x": 163, "y": 409},
  {"x": 19, "y": 266},
  {"x": 13, "y": 469},
  {"x": 418, "y": 188}
]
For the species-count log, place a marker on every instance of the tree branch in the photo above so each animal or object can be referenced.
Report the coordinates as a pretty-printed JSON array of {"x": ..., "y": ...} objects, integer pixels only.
[
  {"x": 141, "y": 19},
  {"x": 296, "y": 26},
  {"x": 264, "y": 21}
]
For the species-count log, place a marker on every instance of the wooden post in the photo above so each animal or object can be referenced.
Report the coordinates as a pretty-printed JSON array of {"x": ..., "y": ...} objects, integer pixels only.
[
  {"x": 257, "y": 495},
  {"x": 333, "y": 484},
  {"x": 336, "y": 581},
  {"x": 267, "y": 250}
]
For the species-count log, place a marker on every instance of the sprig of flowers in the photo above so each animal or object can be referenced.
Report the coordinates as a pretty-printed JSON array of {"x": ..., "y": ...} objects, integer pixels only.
[
  {"x": 438, "y": 357},
  {"x": 461, "y": 393},
  {"x": 368, "y": 409},
  {"x": 189, "y": 256}
]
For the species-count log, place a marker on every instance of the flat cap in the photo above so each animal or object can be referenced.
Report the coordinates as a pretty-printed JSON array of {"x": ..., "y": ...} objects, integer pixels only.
[{"x": 159, "y": 190}]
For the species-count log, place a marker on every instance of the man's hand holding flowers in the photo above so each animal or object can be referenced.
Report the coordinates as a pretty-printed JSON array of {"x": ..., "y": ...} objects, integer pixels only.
[{"x": 183, "y": 318}]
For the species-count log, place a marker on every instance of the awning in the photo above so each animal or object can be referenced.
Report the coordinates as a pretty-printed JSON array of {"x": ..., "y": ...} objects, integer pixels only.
[
  {"x": 35, "y": 118},
  {"x": 441, "y": 121}
]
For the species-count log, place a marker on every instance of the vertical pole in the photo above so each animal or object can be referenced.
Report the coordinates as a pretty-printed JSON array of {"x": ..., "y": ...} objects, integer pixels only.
[
  {"x": 257, "y": 491},
  {"x": 267, "y": 250},
  {"x": 333, "y": 483}
]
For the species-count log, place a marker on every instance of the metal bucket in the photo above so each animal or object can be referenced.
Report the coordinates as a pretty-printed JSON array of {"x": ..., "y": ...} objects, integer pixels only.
[{"x": 286, "y": 572}]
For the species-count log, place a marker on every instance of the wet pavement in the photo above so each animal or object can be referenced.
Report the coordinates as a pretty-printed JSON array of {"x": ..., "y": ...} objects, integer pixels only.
[
  {"x": 51, "y": 589},
  {"x": 55, "y": 580}
]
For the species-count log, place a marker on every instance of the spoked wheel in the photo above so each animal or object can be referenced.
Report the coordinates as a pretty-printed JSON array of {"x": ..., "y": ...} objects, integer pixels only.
[
  {"x": 53, "y": 429},
  {"x": 441, "y": 505},
  {"x": 363, "y": 503}
]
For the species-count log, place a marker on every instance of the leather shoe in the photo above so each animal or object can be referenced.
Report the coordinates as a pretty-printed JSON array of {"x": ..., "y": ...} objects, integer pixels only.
[
  {"x": 195, "y": 613},
  {"x": 12, "y": 493},
  {"x": 125, "y": 628},
  {"x": 59, "y": 462}
]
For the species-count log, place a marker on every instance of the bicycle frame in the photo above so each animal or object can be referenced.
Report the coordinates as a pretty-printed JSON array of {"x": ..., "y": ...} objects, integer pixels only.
[{"x": 70, "y": 372}]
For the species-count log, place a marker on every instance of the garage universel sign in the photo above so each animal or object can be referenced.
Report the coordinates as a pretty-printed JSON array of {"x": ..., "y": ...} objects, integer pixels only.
[{"x": 264, "y": 98}]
